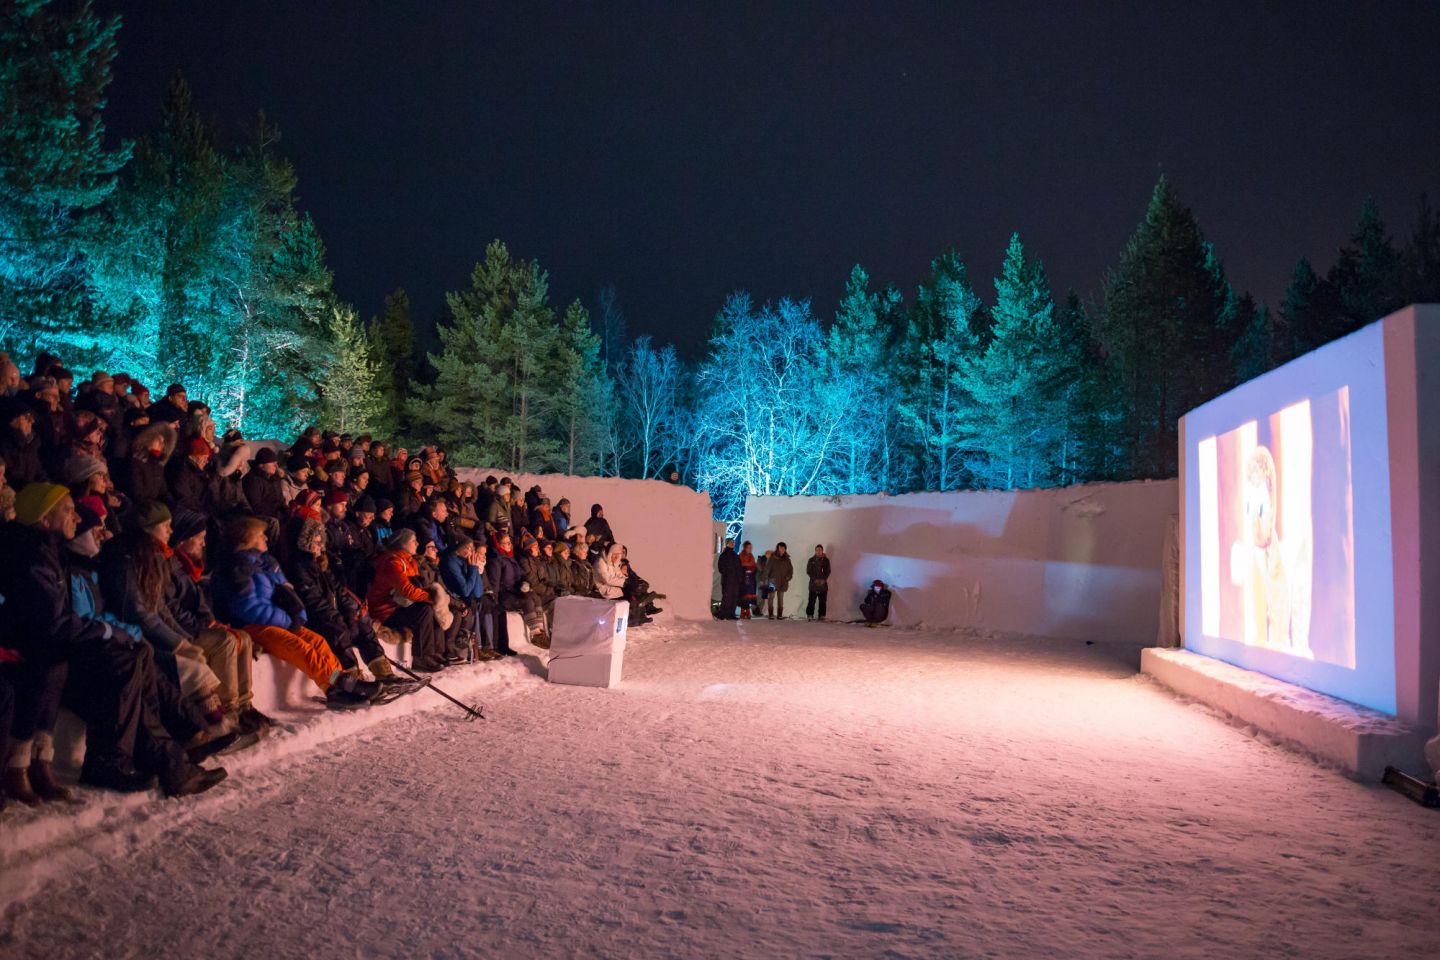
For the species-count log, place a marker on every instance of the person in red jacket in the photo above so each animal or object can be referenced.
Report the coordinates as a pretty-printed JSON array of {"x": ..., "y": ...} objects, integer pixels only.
[{"x": 399, "y": 604}]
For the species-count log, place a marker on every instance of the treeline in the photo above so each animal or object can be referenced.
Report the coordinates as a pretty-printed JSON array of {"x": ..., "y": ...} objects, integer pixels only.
[{"x": 186, "y": 257}]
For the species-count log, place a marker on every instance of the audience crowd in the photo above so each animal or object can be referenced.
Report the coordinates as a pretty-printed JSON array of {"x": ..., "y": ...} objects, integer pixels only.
[{"x": 146, "y": 562}]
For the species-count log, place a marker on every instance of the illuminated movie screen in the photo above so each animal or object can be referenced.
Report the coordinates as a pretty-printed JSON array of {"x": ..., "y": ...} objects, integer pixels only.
[{"x": 1287, "y": 525}]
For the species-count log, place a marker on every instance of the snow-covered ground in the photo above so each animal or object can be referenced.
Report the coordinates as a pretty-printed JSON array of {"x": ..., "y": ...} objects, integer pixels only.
[{"x": 769, "y": 789}]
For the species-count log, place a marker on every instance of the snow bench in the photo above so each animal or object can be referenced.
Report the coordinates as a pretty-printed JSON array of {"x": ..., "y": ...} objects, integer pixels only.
[
  {"x": 1360, "y": 741},
  {"x": 279, "y": 688}
]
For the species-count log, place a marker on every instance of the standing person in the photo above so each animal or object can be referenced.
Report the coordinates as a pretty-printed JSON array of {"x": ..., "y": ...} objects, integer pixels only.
[
  {"x": 749, "y": 570},
  {"x": 876, "y": 605},
  {"x": 779, "y": 574},
  {"x": 729, "y": 567},
  {"x": 817, "y": 568},
  {"x": 763, "y": 586}
]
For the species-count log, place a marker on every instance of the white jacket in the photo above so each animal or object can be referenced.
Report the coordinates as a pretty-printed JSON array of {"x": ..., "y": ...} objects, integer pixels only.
[{"x": 609, "y": 579}]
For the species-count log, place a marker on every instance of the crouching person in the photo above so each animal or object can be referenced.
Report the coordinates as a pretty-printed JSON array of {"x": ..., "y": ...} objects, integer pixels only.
[
  {"x": 875, "y": 608},
  {"x": 254, "y": 593},
  {"x": 332, "y": 611},
  {"x": 107, "y": 676}
]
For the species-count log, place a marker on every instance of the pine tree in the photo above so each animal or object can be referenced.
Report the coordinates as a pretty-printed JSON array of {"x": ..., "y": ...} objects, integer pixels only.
[
  {"x": 392, "y": 337},
  {"x": 610, "y": 327},
  {"x": 55, "y": 62},
  {"x": 1018, "y": 385},
  {"x": 1167, "y": 330},
  {"x": 1367, "y": 274},
  {"x": 1422, "y": 256},
  {"x": 494, "y": 399},
  {"x": 581, "y": 384},
  {"x": 947, "y": 326},
  {"x": 1310, "y": 313},
  {"x": 351, "y": 390},
  {"x": 857, "y": 347}
]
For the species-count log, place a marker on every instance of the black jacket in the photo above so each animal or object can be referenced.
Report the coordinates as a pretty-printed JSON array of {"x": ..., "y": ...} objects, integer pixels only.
[
  {"x": 325, "y": 600},
  {"x": 190, "y": 599},
  {"x": 190, "y": 487},
  {"x": 729, "y": 566},
  {"x": 39, "y": 611},
  {"x": 265, "y": 494},
  {"x": 142, "y": 478},
  {"x": 22, "y": 459},
  {"x": 818, "y": 570}
]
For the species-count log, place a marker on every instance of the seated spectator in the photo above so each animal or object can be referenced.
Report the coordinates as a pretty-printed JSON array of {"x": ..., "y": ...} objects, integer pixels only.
[
  {"x": 462, "y": 571},
  {"x": 19, "y": 446},
  {"x": 264, "y": 487},
  {"x": 255, "y": 595},
  {"x": 599, "y": 526},
  {"x": 191, "y": 606},
  {"x": 512, "y": 592},
  {"x": 105, "y": 675},
  {"x": 399, "y": 604},
  {"x": 136, "y": 583},
  {"x": 141, "y": 476},
  {"x": 190, "y": 479},
  {"x": 334, "y": 612},
  {"x": 875, "y": 608}
]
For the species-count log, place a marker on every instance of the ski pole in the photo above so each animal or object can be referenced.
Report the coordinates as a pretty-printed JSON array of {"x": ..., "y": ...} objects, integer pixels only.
[{"x": 472, "y": 712}]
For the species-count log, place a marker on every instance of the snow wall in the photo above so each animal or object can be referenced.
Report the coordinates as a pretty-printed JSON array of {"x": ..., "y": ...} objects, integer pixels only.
[
  {"x": 666, "y": 528},
  {"x": 1079, "y": 562}
]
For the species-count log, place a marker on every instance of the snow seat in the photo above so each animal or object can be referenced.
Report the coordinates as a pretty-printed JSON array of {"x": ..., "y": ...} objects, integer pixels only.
[
  {"x": 1360, "y": 741},
  {"x": 587, "y": 641}
]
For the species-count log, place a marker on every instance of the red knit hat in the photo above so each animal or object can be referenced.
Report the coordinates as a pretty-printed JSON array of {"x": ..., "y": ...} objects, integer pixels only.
[
  {"x": 336, "y": 496},
  {"x": 199, "y": 447}
]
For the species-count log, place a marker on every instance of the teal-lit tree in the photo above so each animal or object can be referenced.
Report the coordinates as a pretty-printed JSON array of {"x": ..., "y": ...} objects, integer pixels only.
[
  {"x": 947, "y": 327},
  {"x": 859, "y": 349},
  {"x": 55, "y": 167},
  {"x": 1020, "y": 385},
  {"x": 768, "y": 420}
]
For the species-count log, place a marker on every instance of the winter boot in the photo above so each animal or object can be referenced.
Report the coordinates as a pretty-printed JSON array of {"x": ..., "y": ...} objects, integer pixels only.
[
  {"x": 114, "y": 773},
  {"x": 17, "y": 786},
  {"x": 188, "y": 780},
  {"x": 42, "y": 781},
  {"x": 251, "y": 720}
]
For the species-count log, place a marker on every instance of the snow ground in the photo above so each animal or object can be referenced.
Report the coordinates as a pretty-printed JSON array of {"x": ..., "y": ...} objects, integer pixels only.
[{"x": 771, "y": 789}]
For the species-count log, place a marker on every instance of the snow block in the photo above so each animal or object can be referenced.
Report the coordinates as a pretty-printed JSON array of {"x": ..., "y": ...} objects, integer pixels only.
[
  {"x": 587, "y": 641},
  {"x": 1360, "y": 741}
]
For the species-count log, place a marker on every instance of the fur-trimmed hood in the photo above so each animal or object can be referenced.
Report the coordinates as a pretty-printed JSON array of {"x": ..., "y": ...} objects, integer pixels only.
[{"x": 142, "y": 440}]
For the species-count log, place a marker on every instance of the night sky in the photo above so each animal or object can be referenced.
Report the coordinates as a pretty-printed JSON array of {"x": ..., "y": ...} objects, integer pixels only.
[{"x": 683, "y": 151}]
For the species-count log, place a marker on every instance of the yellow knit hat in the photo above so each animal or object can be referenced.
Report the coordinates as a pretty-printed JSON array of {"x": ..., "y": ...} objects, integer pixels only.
[{"x": 36, "y": 500}]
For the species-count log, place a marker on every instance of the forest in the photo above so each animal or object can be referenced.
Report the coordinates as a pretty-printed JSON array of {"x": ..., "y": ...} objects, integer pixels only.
[{"x": 186, "y": 256}]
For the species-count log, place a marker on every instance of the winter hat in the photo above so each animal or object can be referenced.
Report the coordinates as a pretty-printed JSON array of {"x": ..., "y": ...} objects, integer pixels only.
[
  {"x": 94, "y": 504},
  {"x": 297, "y": 462},
  {"x": 100, "y": 376},
  {"x": 173, "y": 389},
  {"x": 527, "y": 539},
  {"x": 460, "y": 542},
  {"x": 336, "y": 496},
  {"x": 357, "y": 454},
  {"x": 365, "y": 505},
  {"x": 382, "y": 505},
  {"x": 187, "y": 524},
  {"x": 595, "y": 509},
  {"x": 89, "y": 519},
  {"x": 232, "y": 457},
  {"x": 563, "y": 502},
  {"x": 36, "y": 500},
  {"x": 232, "y": 436},
  {"x": 134, "y": 415},
  {"x": 149, "y": 513},
  {"x": 41, "y": 384},
  {"x": 122, "y": 379},
  {"x": 490, "y": 480},
  {"x": 310, "y": 531},
  {"x": 79, "y": 469},
  {"x": 266, "y": 455},
  {"x": 400, "y": 537},
  {"x": 199, "y": 447},
  {"x": 562, "y": 548}
]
